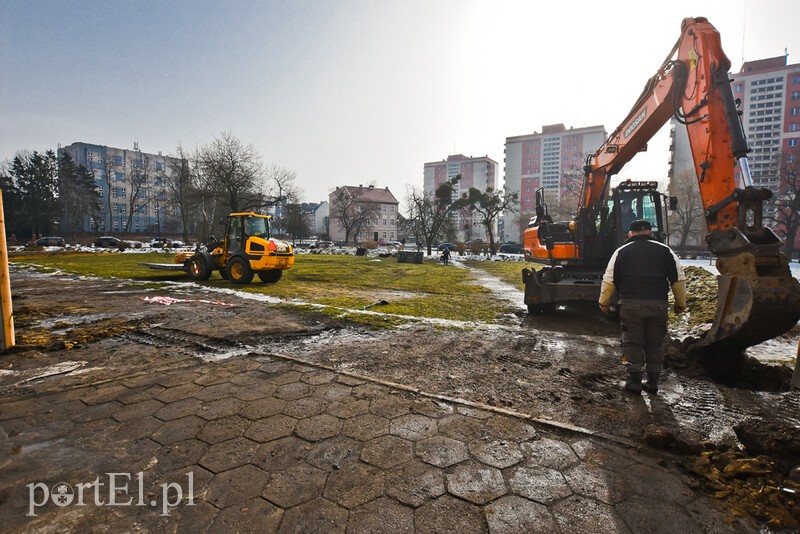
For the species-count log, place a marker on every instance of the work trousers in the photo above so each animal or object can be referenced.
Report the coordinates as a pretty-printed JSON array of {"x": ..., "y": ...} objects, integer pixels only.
[{"x": 644, "y": 327}]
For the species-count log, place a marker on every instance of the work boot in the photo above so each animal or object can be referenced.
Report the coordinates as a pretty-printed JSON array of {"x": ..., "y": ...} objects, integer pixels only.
[
  {"x": 651, "y": 386},
  {"x": 634, "y": 382}
]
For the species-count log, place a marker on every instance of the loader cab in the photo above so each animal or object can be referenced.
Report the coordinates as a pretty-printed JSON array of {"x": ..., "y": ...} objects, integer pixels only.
[{"x": 243, "y": 226}]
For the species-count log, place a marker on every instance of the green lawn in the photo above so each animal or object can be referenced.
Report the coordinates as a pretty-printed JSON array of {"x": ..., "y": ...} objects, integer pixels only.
[
  {"x": 508, "y": 271},
  {"x": 422, "y": 290}
]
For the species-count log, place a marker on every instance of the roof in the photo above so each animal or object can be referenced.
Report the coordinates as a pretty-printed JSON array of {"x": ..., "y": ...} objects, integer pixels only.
[{"x": 371, "y": 194}]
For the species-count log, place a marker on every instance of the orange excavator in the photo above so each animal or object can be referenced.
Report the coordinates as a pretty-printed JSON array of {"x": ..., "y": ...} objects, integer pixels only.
[{"x": 758, "y": 297}]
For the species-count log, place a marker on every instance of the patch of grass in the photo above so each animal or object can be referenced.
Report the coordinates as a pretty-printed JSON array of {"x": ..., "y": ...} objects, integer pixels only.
[
  {"x": 507, "y": 271},
  {"x": 423, "y": 290}
]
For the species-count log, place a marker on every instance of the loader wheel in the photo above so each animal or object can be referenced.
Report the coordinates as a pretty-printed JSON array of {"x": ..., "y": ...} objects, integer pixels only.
[
  {"x": 198, "y": 270},
  {"x": 270, "y": 277},
  {"x": 239, "y": 271}
]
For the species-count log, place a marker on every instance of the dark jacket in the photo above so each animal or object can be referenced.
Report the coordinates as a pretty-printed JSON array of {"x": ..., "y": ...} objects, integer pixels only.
[{"x": 643, "y": 269}]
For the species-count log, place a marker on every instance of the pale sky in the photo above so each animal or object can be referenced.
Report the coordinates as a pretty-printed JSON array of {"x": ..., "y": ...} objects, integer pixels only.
[{"x": 354, "y": 91}]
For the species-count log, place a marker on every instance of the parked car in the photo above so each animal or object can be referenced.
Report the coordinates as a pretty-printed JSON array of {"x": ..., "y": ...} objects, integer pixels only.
[
  {"x": 51, "y": 242},
  {"x": 443, "y": 246},
  {"x": 160, "y": 242},
  {"x": 510, "y": 248},
  {"x": 108, "y": 241}
]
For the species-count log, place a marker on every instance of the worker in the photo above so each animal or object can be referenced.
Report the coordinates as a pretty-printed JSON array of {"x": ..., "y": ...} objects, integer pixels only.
[
  {"x": 642, "y": 271},
  {"x": 627, "y": 215},
  {"x": 446, "y": 255}
]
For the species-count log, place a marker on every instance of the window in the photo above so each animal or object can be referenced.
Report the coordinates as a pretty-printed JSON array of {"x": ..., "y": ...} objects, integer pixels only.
[
  {"x": 795, "y": 79},
  {"x": 384, "y": 223},
  {"x": 795, "y": 95},
  {"x": 795, "y": 111},
  {"x": 793, "y": 126},
  {"x": 738, "y": 87},
  {"x": 792, "y": 142}
]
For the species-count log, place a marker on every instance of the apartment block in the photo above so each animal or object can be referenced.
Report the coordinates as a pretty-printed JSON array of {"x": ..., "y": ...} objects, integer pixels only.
[
  {"x": 130, "y": 181},
  {"x": 478, "y": 172},
  {"x": 370, "y": 212},
  {"x": 551, "y": 159},
  {"x": 769, "y": 91}
]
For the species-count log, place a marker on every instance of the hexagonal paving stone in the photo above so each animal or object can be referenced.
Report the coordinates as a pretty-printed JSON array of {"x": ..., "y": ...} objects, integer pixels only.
[
  {"x": 414, "y": 483},
  {"x": 295, "y": 485},
  {"x": 179, "y": 455},
  {"x": 462, "y": 427},
  {"x": 275, "y": 367},
  {"x": 579, "y": 514},
  {"x": 223, "y": 429},
  {"x": 177, "y": 378},
  {"x": 349, "y": 408},
  {"x": 217, "y": 391},
  {"x": 431, "y": 407},
  {"x": 183, "y": 391},
  {"x": 271, "y": 428},
  {"x": 316, "y": 378},
  {"x": 248, "y": 378},
  {"x": 228, "y": 454},
  {"x": 139, "y": 394},
  {"x": 319, "y": 515},
  {"x": 498, "y": 453},
  {"x": 318, "y": 427},
  {"x": 333, "y": 392},
  {"x": 307, "y": 407},
  {"x": 512, "y": 514},
  {"x": 442, "y": 451},
  {"x": 476, "y": 483},
  {"x": 365, "y": 427},
  {"x": 293, "y": 391},
  {"x": 178, "y": 409},
  {"x": 212, "y": 377},
  {"x": 178, "y": 430},
  {"x": 550, "y": 453},
  {"x": 389, "y": 406},
  {"x": 138, "y": 428},
  {"x": 137, "y": 410},
  {"x": 413, "y": 427},
  {"x": 259, "y": 391},
  {"x": 354, "y": 485},
  {"x": 287, "y": 377},
  {"x": 506, "y": 427},
  {"x": 381, "y": 515},
  {"x": 596, "y": 483},
  {"x": 350, "y": 380},
  {"x": 261, "y": 408},
  {"x": 334, "y": 453},
  {"x": 448, "y": 514},
  {"x": 219, "y": 408},
  {"x": 387, "y": 451},
  {"x": 281, "y": 454},
  {"x": 236, "y": 485},
  {"x": 540, "y": 484},
  {"x": 255, "y": 515}
]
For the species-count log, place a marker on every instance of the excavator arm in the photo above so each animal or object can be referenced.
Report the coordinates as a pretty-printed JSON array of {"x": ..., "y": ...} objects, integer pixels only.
[{"x": 758, "y": 298}]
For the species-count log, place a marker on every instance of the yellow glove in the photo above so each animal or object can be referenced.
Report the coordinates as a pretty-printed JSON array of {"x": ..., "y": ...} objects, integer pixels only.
[
  {"x": 606, "y": 291},
  {"x": 679, "y": 292}
]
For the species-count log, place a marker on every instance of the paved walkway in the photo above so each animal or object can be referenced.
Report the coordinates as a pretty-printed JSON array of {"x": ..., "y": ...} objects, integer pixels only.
[{"x": 267, "y": 444}]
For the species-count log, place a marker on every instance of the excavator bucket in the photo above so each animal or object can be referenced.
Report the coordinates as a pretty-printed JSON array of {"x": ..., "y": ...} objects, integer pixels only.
[{"x": 758, "y": 300}]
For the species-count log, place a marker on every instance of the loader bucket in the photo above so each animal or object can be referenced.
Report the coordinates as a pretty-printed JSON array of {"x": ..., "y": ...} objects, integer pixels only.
[{"x": 758, "y": 300}]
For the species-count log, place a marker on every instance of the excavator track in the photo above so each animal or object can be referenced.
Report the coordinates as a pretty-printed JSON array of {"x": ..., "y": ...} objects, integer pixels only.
[{"x": 759, "y": 299}]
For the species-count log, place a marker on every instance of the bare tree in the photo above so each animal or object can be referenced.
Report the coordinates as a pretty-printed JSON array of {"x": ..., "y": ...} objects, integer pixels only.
[
  {"x": 489, "y": 205},
  {"x": 279, "y": 190},
  {"x": 352, "y": 211},
  {"x": 234, "y": 169},
  {"x": 109, "y": 172},
  {"x": 787, "y": 201},
  {"x": 138, "y": 177},
  {"x": 429, "y": 214},
  {"x": 179, "y": 186},
  {"x": 687, "y": 221}
]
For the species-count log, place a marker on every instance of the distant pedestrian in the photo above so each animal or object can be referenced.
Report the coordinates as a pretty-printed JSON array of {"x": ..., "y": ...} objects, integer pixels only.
[
  {"x": 446, "y": 255},
  {"x": 642, "y": 270}
]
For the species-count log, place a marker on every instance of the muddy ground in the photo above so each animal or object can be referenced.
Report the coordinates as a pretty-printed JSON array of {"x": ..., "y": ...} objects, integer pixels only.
[{"x": 563, "y": 368}]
